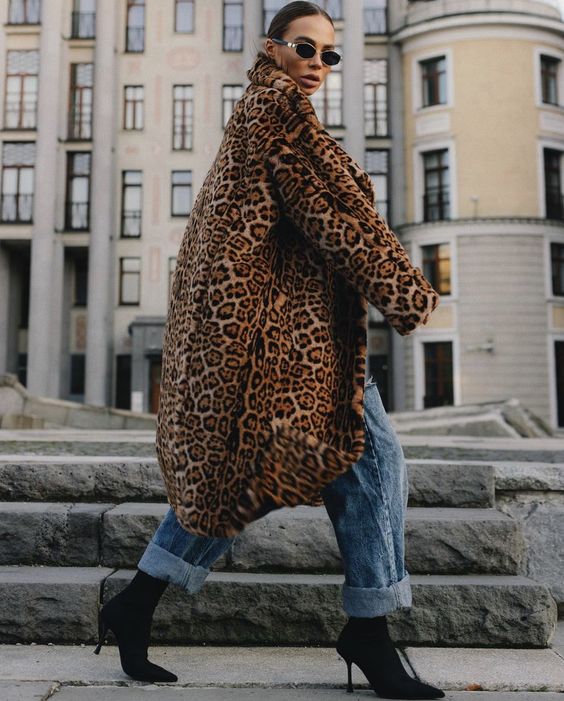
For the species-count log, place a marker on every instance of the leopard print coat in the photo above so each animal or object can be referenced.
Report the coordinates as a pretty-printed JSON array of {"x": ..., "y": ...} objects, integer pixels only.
[{"x": 263, "y": 366}]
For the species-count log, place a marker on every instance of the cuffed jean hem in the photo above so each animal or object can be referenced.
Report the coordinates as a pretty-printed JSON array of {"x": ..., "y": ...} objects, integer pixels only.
[
  {"x": 162, "y": 564},
  {"x": 373, "y": 601}
]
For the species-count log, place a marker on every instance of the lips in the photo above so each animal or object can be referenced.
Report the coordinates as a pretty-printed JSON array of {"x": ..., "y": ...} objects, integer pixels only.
[{"x": 309, "y": 80}]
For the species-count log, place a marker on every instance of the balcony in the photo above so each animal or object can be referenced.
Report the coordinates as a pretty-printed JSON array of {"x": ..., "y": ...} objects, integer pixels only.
[
  {"x": 16, "y": 208},
  {"x": 554, "y": 203},
  {"x": 77, "y": 216},
  {"x": 83, "y": 25},
  {"x": 233, "y": 38},
  {"x": 436, "y": 205},
  {"x": 135, "y": 39},
  {"x": 131, "y": 223}
]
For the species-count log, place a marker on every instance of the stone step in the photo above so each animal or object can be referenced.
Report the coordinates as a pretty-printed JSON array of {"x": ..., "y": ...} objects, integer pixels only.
[
  {"x": 121, "y": 479},
  {"x": 141, "y": 443},
  {"x": 437, "y": 540},
  {"x": 60, "y": 604}
]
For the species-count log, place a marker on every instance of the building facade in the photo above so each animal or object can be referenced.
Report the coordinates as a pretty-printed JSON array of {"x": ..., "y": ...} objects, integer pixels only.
[{"x": 112, "y": 113}]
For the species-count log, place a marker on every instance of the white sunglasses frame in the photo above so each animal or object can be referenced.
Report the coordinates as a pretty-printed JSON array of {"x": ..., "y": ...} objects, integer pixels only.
[{"x": 293, "y": 45}]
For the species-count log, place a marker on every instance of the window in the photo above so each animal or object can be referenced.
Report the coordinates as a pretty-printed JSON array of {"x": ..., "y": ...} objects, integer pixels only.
[
  {"x": 433, "y": 81},
  {"x": 436, "y": 204},
  {"x": 184, "y": 16},
  {"x": 80, "y": 113},
  {"x": 171, "y": 269},
  {"x": 133, "y": 111},
  {"x": 232, "y": 25},
  {"x": 181, "y": 188},
  {"x": 132, "y": 197},
  {"x": 24, "y": 12},
  {"x": 80, "y": 281},
  {"x": 182, "y": 117},
  {"x": 83, "y": 19},
  {"x": 77, "y": 210},
  {"x": 554, "y": 199},
  {"x": 18, "y": 165},
  {"x": 328, "y": 100},
  {"x": 135, "y": 30},
  {"x": 557, "y": 262},
  {"x": 129, "y": 280},
  {"x": 21, "y": 89},
  {"x": 436, "y": 266},
  {"x": 550, "y": 66},
  {"x": 376, "y": 165},
  {"x": 376, "y": 97},
  {"x": 230, "y": 95},
  {"x": 375, "y": 17},
  {"x": 438, "y": 374}
]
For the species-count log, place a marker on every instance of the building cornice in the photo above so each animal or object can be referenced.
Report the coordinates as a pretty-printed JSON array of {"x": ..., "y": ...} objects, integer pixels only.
[{"x": 469, "y": 20}]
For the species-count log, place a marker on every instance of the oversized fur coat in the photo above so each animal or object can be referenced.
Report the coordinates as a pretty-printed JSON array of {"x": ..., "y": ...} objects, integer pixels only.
[{"x": 263, "y": 367}]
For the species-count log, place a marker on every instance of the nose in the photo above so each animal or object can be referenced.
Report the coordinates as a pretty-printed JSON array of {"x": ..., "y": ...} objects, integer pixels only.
[{"x": 316, "y": 60}]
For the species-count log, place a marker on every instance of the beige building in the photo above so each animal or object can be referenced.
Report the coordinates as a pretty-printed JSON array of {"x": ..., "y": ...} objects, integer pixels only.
[{"x": 112, "y": 112}]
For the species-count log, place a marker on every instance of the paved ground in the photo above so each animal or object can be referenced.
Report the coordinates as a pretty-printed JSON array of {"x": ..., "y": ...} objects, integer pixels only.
[{"x": 74, "y": 673}]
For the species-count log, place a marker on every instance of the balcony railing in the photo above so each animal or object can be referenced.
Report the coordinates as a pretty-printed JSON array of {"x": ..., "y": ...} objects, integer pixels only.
[
  {"x": 436, "y": 205},
  {"x": 554, "y": 203},
  {"x": 18, "y": 118},
  {"x": 131, "y": 223},
  {"x": 83, "y": 25},
  {"x": 77, "y": 216},
  {"x": 233, "y": 38},
  {"x": 80, "y": 124},
  {"x": 375, "y": 21},
  {"x": 17, "y": 208},
  {"x": 135, "y": 39}
]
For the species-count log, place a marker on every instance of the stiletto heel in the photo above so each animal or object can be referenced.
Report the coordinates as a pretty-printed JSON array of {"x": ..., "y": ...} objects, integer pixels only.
[
  {"x": 128, "y": 615},
  {"x": 349, "y": 682},
  {"x": 366, "y": 642},
  {"x": 102, "y": 629}
]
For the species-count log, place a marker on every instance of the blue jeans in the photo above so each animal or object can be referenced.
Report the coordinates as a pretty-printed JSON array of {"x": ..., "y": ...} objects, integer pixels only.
[{"x": 367, "y": 507}]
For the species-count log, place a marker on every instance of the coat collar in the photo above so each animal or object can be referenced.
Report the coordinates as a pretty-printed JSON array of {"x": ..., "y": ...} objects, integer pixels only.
[{"x": 265, "y": 72}]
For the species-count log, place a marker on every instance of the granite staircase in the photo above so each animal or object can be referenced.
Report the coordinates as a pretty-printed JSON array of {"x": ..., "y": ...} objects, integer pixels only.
[{"x": 78, "y": 508}]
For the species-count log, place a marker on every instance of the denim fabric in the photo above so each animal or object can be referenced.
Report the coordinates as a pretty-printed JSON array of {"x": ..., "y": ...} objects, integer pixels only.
[{"x": 367, "y": 507}]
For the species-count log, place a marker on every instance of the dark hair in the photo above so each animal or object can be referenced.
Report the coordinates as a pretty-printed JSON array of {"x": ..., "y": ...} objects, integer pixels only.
[{"x": 290, "y": 12}]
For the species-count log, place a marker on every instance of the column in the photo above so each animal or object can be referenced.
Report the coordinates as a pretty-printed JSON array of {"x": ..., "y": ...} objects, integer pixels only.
[
  {"x": 353, "y": 79},
  {"x": 5, "y": 280},
  {"x": 44, "y": 314},
  {"x": 99, "y": 328}
]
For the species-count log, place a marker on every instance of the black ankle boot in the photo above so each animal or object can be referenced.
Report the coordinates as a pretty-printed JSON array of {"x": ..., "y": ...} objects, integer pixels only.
[
  {"x": 367, "y": 643},
  {"x": 129, "y": 616}
]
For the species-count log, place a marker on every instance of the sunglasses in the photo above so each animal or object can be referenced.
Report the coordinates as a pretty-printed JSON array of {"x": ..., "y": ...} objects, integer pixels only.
[{"x": 305, "y": 50}]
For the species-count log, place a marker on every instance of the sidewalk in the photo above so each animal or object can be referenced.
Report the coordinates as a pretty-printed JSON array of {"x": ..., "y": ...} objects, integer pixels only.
[{"x": 74, "y": 673}]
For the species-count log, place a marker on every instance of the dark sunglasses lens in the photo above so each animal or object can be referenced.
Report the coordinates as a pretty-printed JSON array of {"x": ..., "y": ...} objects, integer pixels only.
[
  {"x": 305, "y": 50},
  {"x": 331, "y": 58}
]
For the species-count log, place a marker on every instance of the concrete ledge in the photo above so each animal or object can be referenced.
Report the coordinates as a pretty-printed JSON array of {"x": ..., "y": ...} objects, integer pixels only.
[
  {"x": 15, "y": 399},
  {"x": 214, "y": 673}
]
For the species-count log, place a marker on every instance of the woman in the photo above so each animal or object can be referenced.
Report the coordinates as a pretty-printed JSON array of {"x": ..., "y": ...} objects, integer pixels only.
[{"x": 282, "y": 250}]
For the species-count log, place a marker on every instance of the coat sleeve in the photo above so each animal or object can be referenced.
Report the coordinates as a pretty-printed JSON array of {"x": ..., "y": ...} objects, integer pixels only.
[{"x": 338, "y": 219}]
